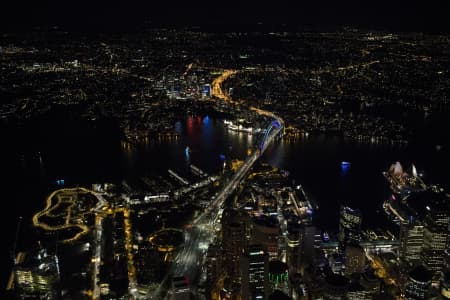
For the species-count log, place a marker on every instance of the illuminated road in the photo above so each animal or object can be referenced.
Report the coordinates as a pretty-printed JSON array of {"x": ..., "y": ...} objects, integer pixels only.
[
  {"x": 54, "y": 201},
  {"x": 97, "y": 256},
  {"x": 188, "y": 261},
  {"x": 132, "y": 282},
  {"x": 216, "y": 86},
  {"x": 98, "y": 234},
  {"x": 382, "y": 271},
  {"x": 59, "y": 205}
]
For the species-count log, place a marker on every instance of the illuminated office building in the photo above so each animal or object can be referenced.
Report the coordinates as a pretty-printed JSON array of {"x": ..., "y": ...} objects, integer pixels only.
[
  {"x": 349, "y": 225},
  {"x": 254, "y": 273},
  {"x": 213, "y": 264},
  {"x": 266, "y": 232},
  {"x": 294, "y": 251},
  {"x": 436, "y": 237},
  {"x": 234, "y": 241},
  {"x": 37, "y": 277},
  {"x": 411, "y": 241}
]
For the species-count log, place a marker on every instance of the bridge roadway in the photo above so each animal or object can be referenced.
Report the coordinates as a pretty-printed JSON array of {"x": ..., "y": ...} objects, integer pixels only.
[
  {"x": 188, "y": 262},
  {"x": 212, "y": 210}
]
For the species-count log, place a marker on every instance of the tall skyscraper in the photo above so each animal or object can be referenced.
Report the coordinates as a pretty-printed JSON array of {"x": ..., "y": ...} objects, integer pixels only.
[
  {"x": 411, "y": 241},
  {"x": 234, "y": 241},
  {"x": 311, "y": 246},
  {"x": 207, "y": 90},
  {"x": 436, "y": 237},
  {"x": 349, "y": 225},
  {"x": 254, "y": 273},
  {"x": 266, "y": 232},
  {"x": 294, "y": 251},
  {"x": 214, "y": 266}
]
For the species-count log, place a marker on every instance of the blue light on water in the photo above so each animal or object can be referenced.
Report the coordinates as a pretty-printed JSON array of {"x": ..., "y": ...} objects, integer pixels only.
[
  {"x": 222, "y": 157},
  {"x": 186, "y": 152},
  {"x": 178, "y": 127},
  {"x": 345, "y": 167}
]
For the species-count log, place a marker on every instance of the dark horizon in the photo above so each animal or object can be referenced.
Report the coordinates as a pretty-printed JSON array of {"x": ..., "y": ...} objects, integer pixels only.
[{"x": 106, "y": 17}]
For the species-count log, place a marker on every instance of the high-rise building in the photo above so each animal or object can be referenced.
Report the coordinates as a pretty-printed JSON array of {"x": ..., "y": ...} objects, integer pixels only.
[
  {"x": 266, "y": 231},
  {"x": 254, "y": 273},
  {"x": 411, "y": 241},
  {"x": 207, "y": 90},
  {"x": 349, "y": 225},
  {"x": 436, "y": 237},
  {"x": 213, "y": 264},
  {"x": 311, "y": 244},
  {"x": 234, "y": 241},
  {"x": 355, "y": 259},
  {"x": 294, "y": 251},
  {"x": 418, "y": 284},
  {"x": 37, "y": 276}
]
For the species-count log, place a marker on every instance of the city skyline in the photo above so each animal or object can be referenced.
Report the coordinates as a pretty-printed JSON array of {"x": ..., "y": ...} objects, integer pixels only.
[{"x": 239, "y": 159}]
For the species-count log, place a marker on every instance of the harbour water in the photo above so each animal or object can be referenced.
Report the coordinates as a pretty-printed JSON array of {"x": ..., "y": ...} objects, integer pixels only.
[{"x": 34, "y": 158}]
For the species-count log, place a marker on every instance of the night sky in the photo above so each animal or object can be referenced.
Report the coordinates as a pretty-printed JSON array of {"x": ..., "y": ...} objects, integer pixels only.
[{"x": 427, "y": 16}]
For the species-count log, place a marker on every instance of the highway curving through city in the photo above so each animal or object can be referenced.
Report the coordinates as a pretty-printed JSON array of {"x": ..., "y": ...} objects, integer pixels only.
[{"x": 188, "y": 261}]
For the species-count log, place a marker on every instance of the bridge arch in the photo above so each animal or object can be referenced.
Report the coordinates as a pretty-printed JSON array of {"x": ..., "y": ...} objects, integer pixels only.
[{"x": 273, "y": 124}]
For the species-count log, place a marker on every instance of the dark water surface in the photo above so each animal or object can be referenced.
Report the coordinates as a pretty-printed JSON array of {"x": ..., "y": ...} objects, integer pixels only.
[{"x": 87, "y": 152}]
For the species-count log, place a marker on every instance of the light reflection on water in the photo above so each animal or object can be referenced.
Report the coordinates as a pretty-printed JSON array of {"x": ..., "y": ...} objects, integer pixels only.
[{"x": 313, "y": 161}]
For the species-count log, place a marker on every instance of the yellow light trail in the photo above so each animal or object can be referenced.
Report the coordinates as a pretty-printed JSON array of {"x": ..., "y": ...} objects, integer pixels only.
[
  {"x": 51, "y": 206},
  {"x": 129, "y": 249},
  {"x": 216, "y": 85}
]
